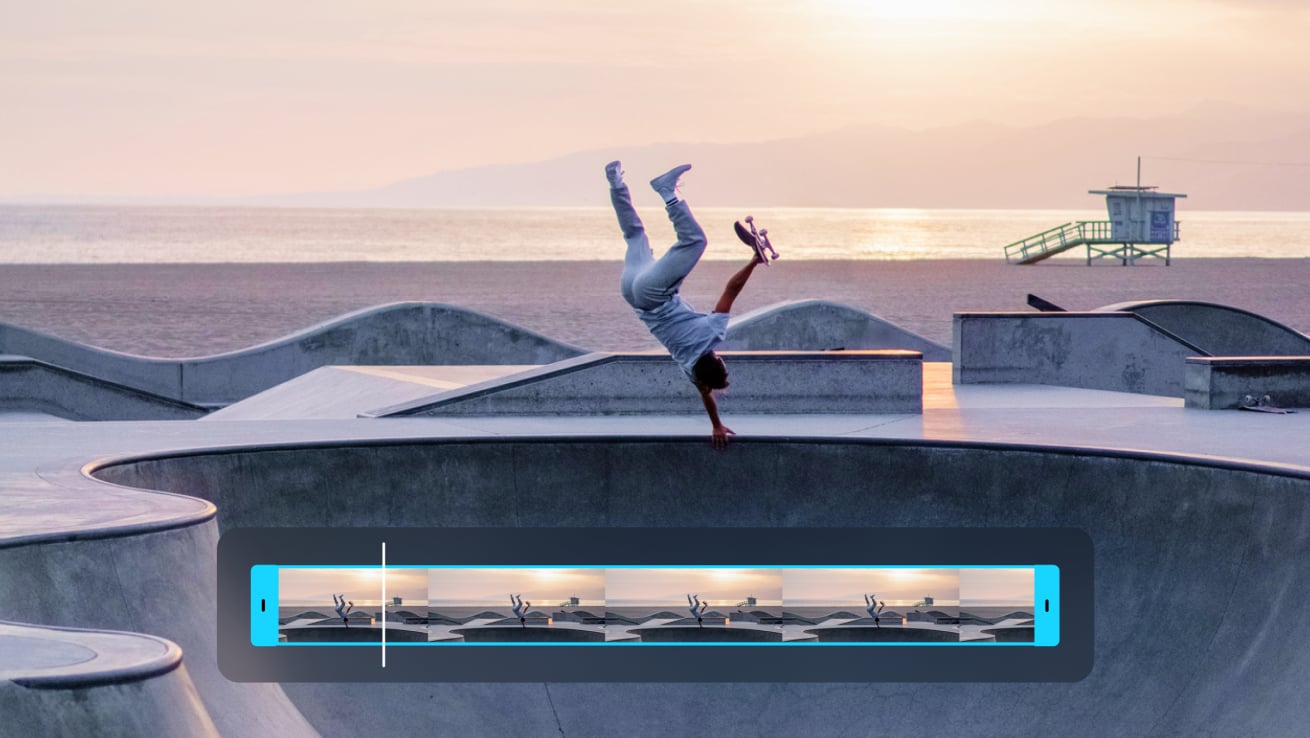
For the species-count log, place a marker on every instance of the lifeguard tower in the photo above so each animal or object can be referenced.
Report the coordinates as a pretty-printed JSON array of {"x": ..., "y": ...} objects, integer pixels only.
[{"x": 1141, "y": 225}]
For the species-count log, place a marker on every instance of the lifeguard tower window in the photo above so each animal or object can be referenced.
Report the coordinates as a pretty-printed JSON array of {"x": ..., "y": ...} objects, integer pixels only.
[{"x": 1141, "y": 225}]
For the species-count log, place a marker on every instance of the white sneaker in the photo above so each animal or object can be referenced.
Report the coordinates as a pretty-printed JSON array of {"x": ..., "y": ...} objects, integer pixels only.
[{"x": 667, "y": 184}]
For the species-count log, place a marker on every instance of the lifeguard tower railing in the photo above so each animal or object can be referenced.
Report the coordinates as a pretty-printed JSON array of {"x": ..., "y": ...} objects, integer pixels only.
[{"x": 1089, "y": 233}]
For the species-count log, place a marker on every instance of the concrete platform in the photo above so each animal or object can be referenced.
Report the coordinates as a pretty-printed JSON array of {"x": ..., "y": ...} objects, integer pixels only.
[
  {"x": 345, "y": 392},
  {"x": 1201, "y": 521},
  {"x": 1229, "y": 382}
]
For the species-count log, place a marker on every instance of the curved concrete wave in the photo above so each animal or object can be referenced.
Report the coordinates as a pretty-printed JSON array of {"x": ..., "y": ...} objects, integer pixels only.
[
  {"x": 1234, "y": 536},
  {"x": 399, "y": 333},
  {"x": 823, "y": 325},
  {"x": 1219, "y": 330}
]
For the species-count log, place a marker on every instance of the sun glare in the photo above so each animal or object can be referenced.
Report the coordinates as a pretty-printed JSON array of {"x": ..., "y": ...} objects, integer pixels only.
[
  {"x": 909, "y": 9},
  {"x": 366, "y": 577}
]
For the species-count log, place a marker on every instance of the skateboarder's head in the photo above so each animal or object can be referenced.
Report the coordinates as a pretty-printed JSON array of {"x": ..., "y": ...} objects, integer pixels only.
[{"x": 710, "y": 371}]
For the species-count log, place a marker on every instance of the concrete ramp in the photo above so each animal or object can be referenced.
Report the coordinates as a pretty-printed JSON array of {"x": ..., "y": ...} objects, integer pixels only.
[
  {"x": 822, "y": 325},
  {"x": 632, "y": 384},
  {"x": 35, "y": 388},
  {"x": 61, "y": 681},
  {"x": 1219, "y": 330},
  {"x": 347, "y": 391}
]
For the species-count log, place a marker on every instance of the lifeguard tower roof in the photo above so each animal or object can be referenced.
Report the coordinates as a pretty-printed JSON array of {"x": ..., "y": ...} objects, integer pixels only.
[{"x": 1144, "y": 191}]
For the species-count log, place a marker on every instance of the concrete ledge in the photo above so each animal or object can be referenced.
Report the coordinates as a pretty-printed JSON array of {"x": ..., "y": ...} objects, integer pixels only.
[
  {"x": 821, "y": 325},
  {"x": 1221, "y": 383},
  {"x": 400, "y": 333},
  {"x": 629, "y": 384},
  {"x": 1093, "y": 350},
  {"x": 35, "y": 386}
]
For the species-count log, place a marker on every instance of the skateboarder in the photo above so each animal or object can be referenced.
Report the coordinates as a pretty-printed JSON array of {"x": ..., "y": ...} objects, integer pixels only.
[
  {"x": 874, "y": 608},
  {"x": 343, "y": 608},
  {"x": 651, "y": 287}
]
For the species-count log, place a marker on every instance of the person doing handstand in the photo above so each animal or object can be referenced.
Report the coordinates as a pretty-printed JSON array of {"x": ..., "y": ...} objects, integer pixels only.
[
  {"x": 651, "y": 287},
  {"x": 343, "y": 608}
]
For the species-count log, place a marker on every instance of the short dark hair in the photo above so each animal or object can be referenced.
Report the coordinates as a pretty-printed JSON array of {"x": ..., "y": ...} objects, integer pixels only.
[{"x": 710, "y": 371}]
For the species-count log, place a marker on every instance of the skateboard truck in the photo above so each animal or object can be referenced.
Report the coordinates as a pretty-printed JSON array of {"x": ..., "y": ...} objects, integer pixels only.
[
  {"x": 756, "y": 239},
  {"x": 1263, "y": 405}
]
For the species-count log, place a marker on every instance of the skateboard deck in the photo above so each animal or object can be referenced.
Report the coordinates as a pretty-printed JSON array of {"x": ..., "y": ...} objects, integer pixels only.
[{"x": 756, "y": 239}]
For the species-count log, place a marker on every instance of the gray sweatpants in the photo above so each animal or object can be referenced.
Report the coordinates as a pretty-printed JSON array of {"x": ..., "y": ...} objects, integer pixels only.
[{"x": 647, "y": 282}]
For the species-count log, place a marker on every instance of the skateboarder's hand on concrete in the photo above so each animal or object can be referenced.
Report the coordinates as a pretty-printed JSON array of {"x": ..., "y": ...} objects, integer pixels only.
[{"x": 719, "y": 437}]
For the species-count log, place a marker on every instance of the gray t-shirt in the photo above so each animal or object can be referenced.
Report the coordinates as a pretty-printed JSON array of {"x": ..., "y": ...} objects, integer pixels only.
[{"x": 687, "y": 334}]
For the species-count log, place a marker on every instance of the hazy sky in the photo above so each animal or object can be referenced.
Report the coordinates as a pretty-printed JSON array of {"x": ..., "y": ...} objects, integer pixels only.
[
  {"x": 891, "y": 585},
  {"x": 998, "y": 586},
  {"x": 356, "y": 584},
  {"x": 718, "y": 586},
  {"x": 161, "y": 97},
  {"x": 492, "y": 587}
]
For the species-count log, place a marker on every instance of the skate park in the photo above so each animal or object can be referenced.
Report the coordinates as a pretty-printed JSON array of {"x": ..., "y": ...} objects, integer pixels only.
[{"x": 430, "y": 415}]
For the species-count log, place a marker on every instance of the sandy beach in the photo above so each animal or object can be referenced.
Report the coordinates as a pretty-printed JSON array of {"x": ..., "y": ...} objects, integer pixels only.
[{"x": 189, "y": 310}]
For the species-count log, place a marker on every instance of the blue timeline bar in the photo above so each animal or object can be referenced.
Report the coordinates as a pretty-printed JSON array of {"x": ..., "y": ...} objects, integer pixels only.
[{"x": 1066, "y": 657}]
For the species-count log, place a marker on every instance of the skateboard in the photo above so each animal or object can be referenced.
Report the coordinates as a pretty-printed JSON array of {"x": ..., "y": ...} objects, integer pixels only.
[
  {"x": 757, "y": 240},
  {"x": 1262, "y": 405}
]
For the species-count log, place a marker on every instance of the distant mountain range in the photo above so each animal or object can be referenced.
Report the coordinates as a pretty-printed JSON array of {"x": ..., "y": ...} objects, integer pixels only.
[{"x": 972, "y": 165}]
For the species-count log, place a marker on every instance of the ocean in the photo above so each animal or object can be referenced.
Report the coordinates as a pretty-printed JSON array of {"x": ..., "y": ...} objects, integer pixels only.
[{"x": 96, "y": 234}]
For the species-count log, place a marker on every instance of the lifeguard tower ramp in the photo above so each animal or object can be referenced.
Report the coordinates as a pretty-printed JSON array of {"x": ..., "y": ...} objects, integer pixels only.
[{"x": 1141, "y": 225}]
